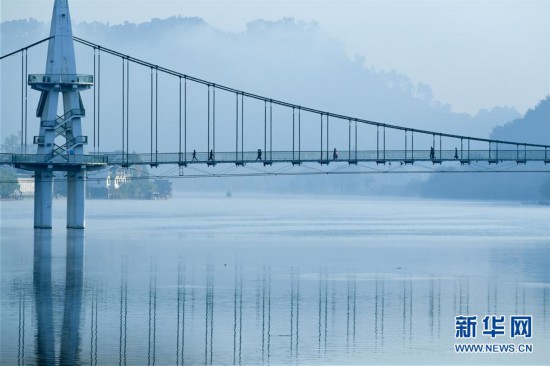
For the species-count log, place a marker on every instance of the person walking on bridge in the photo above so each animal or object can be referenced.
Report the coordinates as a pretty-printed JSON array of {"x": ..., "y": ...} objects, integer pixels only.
[
  {"x": 259, "y": 157},
  {"x": 211, "y": 155},
  {"x": 194, "y": 155},
  {"x": 432, "y": 153},
  {"x": 335, "y": 154}
]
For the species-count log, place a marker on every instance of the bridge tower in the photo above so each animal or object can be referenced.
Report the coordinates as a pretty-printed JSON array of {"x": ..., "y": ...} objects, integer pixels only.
[{"x": 60, "y": 141}]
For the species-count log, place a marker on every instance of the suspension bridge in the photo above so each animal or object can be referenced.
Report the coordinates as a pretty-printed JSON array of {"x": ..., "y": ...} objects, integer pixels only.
[{"x": 254, "y": 120}]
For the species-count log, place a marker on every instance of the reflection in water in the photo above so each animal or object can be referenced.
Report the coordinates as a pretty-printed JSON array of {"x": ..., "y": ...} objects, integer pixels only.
[
  {"x": 180, "y": 328},
  {"x": 259, "y": 315},
  {"x": 435, "y": 307},
  {"x": 123, "y": 321},
  {"x": 351, "y": 304},
  {"x": 410, "y": 313},
  {"x": 544, "y": 306},
  {"x": 93, "y": 327},
  {"x": 405, "y": 307},
  {"x": 42, "y": 279},
  {"x": 70, "y": 335},
  {"x": 152, "y": 331},
  {"x": 378, "y": 330},
  {"x": 294, "y": 314},
  {"x": 209, "y": 317},
  {"x": 238, "y": 320},
  {"x": 21, "y": 328},
  {"x": 319, "y": 322},
  {"x": 266, "y": 314}
]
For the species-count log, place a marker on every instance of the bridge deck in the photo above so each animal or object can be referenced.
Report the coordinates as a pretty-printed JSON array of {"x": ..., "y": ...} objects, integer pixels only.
[{"x": 67, "y": 162}]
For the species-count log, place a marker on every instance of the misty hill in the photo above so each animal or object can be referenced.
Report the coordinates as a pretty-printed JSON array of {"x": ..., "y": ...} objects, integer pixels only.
[
  {"x": 534, "y": 127},
  {"x": 292, "y": 61},
  {"x": 287, "y": 59}
]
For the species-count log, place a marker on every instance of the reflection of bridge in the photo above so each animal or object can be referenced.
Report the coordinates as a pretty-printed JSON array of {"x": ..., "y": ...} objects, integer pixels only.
[
  {"x": 241, "y": 313},
  {"x": 340, "y": 138}
]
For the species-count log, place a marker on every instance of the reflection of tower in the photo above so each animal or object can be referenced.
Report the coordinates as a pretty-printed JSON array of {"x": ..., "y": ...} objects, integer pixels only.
[
  {"x": 42, "y": 279},
  {"x": 70, "y": 337},
  {"x": 60, "y": 78}
]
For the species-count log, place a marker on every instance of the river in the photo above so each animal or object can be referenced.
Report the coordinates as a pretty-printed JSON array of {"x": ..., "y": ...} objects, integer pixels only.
[{"x": 252, "y": 279}]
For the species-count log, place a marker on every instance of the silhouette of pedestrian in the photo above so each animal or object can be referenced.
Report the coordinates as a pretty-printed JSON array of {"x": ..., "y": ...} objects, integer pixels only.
[
  {"x": 194, "y": 155},
  {"x": 334, "y": 154},
  {"x": 211, "y": 155},
  {"x": 456, "y": 153},
  {"x": 432, "y": 153},
  {"x": 259, "y": 157}
]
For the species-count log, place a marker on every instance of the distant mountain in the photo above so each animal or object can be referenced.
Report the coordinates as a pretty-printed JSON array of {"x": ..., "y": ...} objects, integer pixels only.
[
  {"x": 286, "y": 59},
  {"x": 534, "y": 127}
]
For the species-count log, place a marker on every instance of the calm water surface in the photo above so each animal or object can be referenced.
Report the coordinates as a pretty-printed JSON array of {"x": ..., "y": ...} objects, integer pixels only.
[{"x": 271, "y": 280}]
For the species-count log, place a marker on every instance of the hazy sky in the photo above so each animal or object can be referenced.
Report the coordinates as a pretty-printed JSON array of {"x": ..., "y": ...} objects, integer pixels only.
[{"x": 474, "y": 54}]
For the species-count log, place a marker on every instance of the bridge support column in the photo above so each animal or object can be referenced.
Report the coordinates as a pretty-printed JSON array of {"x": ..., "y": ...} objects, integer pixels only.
[
  {"x": 76, "y": 199},
  {"x": 43, "y": 189}
]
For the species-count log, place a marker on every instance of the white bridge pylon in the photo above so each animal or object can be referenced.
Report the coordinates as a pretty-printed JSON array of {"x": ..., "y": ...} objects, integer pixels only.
[{"x": 60, "y": 136}]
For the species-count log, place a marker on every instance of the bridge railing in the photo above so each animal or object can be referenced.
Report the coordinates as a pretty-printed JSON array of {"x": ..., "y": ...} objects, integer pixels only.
[
  {"x": 268, "y": 157},
  {"x": 45, "y": 159},
  {"x": 324, "y": 156}
]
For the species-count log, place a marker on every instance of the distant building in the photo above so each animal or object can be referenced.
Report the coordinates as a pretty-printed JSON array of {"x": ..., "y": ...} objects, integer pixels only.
[
  {"x": 104, "y": 183},
  {"x": 98, "y": 184},
  {"x": 163, "y": 188},
  {"x": 26, "y": 186},
  {"x": 111, "y": 183}
]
